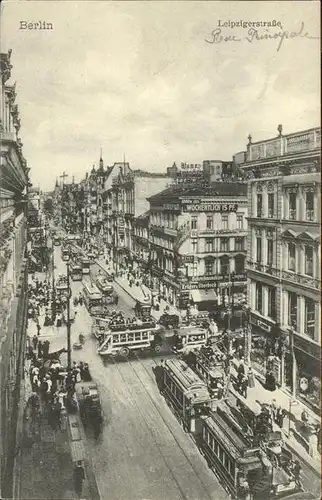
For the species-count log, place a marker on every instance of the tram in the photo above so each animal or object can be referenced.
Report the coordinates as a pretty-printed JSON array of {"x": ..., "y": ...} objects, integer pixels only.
[
  {"x": 121, "y": 340},
  {"x": 188, "y": 338},
  {"x": 244, "y": 468},
  {"x": 100, "y": 326},
  {"x": 76, "y": 272},
  {"x": 210, "y": 369},
  {"x": 65, "y": 253},
  {"x": 93, "y": 298},
  {"x": 85, "y": 263},
  {"x": 186, "y": 394}
]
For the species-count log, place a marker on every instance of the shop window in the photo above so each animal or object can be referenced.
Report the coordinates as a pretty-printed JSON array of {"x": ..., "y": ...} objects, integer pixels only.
[
  {"x": 194, "y": 245},
  {"x": 309, "y": 317},
  {"x": 309, "y": 261},
  {"x": 271, "y": 205},
  {"x": 259, "y": 298},
  {"x": 309, "y": 205},
  {"x": 259, "y": 205},
  {"x": 271, "y": 302},
  {"x": 209, "y": 246},
  {"x": 270, "y": 252},
  {"x": 259, "y": 249},
  {"x": 292, "y": 309},
  {"x": 224, "y": 221},
  {"x": 239, "y": 244},
  {"x": 209, "y": 221},
  {"x": 291, "y": 257},
  {"x": 240, "y": 221},
  {"x": 224, "y": 244},
  {"x": 209, "y": 266},
  {"x": 194, "y": 222}
]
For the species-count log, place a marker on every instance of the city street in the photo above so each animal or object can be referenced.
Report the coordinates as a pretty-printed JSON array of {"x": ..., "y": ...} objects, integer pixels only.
[{"x": 143, "y": 452}]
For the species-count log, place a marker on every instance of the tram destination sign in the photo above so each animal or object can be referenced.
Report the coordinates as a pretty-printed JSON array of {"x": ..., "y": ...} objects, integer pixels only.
[{"x": 204, "y": 205}]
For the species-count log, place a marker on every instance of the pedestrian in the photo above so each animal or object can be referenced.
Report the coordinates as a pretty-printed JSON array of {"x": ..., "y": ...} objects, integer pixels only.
[
  {"x": 296, "y": 469},
  {"x": 244, "y": 387},
  {"x": 241, "y": 367},
  {"x": 79, "y": 476},
  {"x": 35, "y": 342},
  {"x": 38, "y": 327},
  {"x": 280, "y": 417}
]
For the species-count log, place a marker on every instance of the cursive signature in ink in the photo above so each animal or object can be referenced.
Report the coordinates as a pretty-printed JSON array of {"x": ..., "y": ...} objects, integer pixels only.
[{"x": 255, "y": 35}]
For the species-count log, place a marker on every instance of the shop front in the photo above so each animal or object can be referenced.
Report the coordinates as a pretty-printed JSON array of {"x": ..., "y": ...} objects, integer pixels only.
[
  {"x": 308, "y": 372},
  {"x": 206, "y": 299}
]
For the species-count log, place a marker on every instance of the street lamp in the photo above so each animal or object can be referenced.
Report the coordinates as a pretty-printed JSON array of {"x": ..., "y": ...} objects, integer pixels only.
[{"x": 248, "y": 334}]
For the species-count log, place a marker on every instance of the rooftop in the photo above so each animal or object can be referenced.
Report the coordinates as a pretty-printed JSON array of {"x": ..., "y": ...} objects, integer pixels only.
[{"x": 213, "y": 189}]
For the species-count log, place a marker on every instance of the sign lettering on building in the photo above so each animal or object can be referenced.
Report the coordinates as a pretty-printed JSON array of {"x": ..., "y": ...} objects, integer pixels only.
[
  {"x": 171, "y": 206},
  {"x": 208, "y": 206}
]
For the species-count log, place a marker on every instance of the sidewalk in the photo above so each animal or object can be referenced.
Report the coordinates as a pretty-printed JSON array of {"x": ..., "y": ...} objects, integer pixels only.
[
  {"x": 292, "y": 422},
  {"x": 141, "y": 293}
]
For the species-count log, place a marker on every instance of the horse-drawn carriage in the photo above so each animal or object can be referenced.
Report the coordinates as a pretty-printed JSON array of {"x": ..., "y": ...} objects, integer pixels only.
[{"x": 90, "y": 406}]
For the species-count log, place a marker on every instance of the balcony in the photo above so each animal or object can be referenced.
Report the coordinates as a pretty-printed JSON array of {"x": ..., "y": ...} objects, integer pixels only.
[
  {"x": 301, "y": 280},
  {"x": 292, "y": 214},
  {"x": 309, "y": 215}
]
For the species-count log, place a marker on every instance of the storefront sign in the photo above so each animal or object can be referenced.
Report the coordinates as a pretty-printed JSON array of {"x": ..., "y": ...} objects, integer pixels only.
[
  {"x": 203, "y": 285},
  {"x": 187, "y": 258},
  {"x": 172, "y": 206},
  {"x": 208, "y": 206},
  {"x": 258, "y": 322}
]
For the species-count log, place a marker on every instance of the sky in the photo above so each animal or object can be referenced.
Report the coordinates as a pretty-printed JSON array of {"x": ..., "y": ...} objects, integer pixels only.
[{"x": 141, "y": 80}]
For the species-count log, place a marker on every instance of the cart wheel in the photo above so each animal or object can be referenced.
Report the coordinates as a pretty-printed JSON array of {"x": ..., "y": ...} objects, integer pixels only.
[
  {"x": 124, "y": 352},
  {"x": 157, "y": 348}
]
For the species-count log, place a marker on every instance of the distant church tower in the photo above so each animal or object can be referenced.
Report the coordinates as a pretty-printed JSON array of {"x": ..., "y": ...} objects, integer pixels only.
[{"x": 101, "y": 163}]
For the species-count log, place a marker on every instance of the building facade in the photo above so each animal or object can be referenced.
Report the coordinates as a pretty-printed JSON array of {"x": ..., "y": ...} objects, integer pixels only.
[
  {"x": 283, "y": 258},
  {"x": 198, "y": 244},
  {"x": 13, "y": 273}
]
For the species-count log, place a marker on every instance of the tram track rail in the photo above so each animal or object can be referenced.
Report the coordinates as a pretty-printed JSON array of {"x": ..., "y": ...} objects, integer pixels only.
[{"x": 131, "y": 363}]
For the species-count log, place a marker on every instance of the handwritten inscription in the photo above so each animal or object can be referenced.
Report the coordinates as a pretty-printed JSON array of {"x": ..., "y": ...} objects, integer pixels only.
[{"x": 255, "y": 35}]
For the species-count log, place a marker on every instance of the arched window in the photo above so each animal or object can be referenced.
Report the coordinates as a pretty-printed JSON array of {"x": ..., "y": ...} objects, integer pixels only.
[
  {"x": 224, "y": 265},
  {"x": 239, "y": 264}
]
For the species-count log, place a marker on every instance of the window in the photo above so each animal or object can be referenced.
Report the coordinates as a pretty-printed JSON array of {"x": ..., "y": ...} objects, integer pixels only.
[
  {"x": 240, "y": 221},
  {"x": 309, "y": 261},
  {"x": 224, "y": 221},
  {"x": 239, "y": 264},
  {"x": 239, "y": 244},
  {"x": 224, "y": 244},
  {"x": 291, "y": 257},
  {"x": 224, "y": 265},
  {"x": 194, "y": 222},
  {"x": 271, "y": 303},
  {"x": 258, "y": 249},
  {"x": 309, "y": 205},
  {"x": 209, "y": 245},
  {"x": 194, "y": 245},
  {"x": 270, "y": 252},
  {"x": 259, "y": 205},
  {"x": 259, "y": 298},
  {"x": 292, "y": 309},
  {"x": 209, "y": 221},
  {"x": 309, "y": 324},
  {"x": 271, "y": 205},
  {"x": 209, "y": 267}
]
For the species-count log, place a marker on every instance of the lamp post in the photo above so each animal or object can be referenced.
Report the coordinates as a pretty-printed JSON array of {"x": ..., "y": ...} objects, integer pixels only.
[
  {"x": 69, "y": 360},
  {"x": 248, "y": 335}
]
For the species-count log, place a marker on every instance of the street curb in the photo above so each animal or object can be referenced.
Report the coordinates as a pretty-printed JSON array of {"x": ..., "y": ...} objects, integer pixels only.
[{"x": 298, "y": 454}]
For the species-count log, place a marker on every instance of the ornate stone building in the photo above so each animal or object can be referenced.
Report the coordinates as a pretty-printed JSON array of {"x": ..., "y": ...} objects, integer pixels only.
[
  {"x": 283, "y": 257},
  {"x": 13, "y": 273}
]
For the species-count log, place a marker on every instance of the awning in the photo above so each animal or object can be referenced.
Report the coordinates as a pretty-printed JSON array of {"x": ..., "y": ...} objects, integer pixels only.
[{"x": 203, "y": 295}]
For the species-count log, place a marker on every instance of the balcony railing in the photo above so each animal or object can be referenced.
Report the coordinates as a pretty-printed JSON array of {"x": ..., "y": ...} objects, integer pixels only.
[
  {"x": 310, "y": 215},
  {"x": 285, "y": 275},
  {"x": 292, "y": 214}
]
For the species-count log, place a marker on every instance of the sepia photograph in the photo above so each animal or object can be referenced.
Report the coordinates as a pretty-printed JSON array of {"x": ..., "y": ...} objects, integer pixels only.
[{"x": 160, "y": 267}]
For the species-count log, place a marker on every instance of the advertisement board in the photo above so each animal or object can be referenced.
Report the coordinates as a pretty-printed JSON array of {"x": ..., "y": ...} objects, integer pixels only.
[{"x": 204, "y": 205}]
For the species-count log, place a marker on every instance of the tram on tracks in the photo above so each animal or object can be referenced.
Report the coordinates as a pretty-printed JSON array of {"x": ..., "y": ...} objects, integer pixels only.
[
  {"x": 75, "y": 271},
  {"x": 121, "y": 340},
  {"x": 188, "y": 338},
  {"x": 186, "y": 394},
  {"x": 100, "y": 326},
  {"x": 246, "y": 470},
  {"x": 211, "y": 370},
  {"x": 93, "y": 298}
]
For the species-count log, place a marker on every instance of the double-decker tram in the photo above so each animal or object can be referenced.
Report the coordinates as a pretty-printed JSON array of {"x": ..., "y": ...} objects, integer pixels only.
[
  {"x": 245, "y": 468},
  {"x": 121, "y": 340},
  {"x": 189, "y": 338},
  {"x": 186, "y": 394},
  {"x": 65, "y": 252},
  {"x": 93, "y": 298},
  {"x": 75, "y": 271},
  {"x": 210, "y": 368},
  {"x": 85, "y": 263},
  {"x": 100, "y": 326}
]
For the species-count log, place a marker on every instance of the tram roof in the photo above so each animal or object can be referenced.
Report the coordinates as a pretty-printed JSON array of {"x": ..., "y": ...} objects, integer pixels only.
[
  {"x": 187, "y": 379},
  {"x": 191, "y": 330},
  {"x": 232, "y": 441}
]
